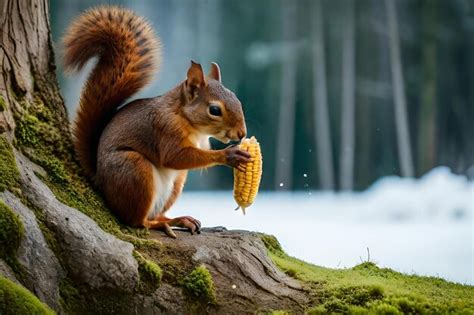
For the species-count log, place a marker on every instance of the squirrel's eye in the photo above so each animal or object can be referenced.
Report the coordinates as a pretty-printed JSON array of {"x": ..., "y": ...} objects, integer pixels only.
[{"x": 215, "y": 110}]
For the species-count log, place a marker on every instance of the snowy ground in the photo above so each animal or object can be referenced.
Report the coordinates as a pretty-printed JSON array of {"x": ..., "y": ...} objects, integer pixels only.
[{"x": 420, "y": 226}]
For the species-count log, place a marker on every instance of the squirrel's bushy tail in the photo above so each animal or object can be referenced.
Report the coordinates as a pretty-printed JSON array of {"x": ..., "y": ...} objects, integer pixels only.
[{"x": 128, "y": 54}]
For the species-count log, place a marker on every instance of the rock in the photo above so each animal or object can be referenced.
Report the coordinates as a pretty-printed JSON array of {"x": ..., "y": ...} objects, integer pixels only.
[
  {"x": 91, "y": 256},
  {"x": 43, "y": 271},
  {"x": 246, "y": 279},
  {"x": 7, "y": 272},
  {"x": 167, "y": 299}
]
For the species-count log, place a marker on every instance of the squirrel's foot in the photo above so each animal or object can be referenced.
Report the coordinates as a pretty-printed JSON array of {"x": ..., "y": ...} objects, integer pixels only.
[
  {"x": 188, "y": 222},
  {"x": 165, "y": 224},
  {"x": 160, "y": 225}
]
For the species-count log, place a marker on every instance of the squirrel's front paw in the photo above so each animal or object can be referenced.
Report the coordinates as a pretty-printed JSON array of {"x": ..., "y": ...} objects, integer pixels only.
[{"x": 236, "y": 157}]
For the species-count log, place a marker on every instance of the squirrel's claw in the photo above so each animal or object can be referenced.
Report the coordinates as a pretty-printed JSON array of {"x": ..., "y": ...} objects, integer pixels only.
[
  {"x": 241, "y": 168},
  {"x": 169, "y": 231}
]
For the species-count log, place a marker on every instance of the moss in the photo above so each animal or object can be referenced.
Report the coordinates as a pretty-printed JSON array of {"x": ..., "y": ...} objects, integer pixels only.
[
  {"x": 11, "y": 234},
  {"x": 55, "y": 168},
  {"x": 150, "y": 272},
  {"x": 84, "y": 300},
  {"x": 3, "y": 106},
  {"x": 199, "y": 284},
  {"x": 27, "y": 130},
  {"x": 69, "y": 295},
  {"x": 368, "y": 289},
  {"x": 271, "y": 243},
  {"x": 11, "y": 231},
  {"x": 10, "y": 174},
  {"x": 359, "y": 295},
  {"x": 385, "y": 309},
  {"x": 15, "y": 299},
  {"x": 46, "y": 144}
]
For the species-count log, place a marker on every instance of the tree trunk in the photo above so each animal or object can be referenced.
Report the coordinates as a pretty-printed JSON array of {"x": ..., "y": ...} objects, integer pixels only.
[
  {"x": 61, "y": 242},
  {"x": 26, "y": 61},
  {"x": 321, "y": 118},
  {"x": 286, "y": 120},
  {"x": 348, "y": 100},
  {"x": 427, "y": 127},
  {"x": 401, "y": 119}
]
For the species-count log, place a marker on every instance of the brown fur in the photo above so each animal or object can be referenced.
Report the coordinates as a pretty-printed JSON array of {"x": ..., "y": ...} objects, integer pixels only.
[
  {"x": 149, "y": 142},
  {"x": 128, "y": 55}
]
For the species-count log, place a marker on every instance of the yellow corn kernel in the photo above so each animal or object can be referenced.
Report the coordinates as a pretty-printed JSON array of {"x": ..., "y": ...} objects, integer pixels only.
[{"x": 246, "y": 183}]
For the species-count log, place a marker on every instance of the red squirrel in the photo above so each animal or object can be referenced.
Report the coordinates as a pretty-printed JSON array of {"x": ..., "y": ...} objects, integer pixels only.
[{"x": 138, "y": 156}]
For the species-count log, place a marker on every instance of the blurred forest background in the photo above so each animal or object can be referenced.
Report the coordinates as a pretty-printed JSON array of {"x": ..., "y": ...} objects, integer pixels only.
[{"x": 338, "y": 92}]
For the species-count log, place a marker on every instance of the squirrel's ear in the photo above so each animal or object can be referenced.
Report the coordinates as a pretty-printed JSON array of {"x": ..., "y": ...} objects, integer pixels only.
[
  {"x": 195, "y": 79},
  {"x": 215, "y": 72}
]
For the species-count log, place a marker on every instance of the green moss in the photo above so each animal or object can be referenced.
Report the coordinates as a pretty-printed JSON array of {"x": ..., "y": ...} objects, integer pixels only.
[
  {"x": 271, "y": 243},
  {"x": 150, "y": 272},
  {"x": 3, "y": 106},
  {"x": 10, "y": 175},
  {"x": 83, "y": 300},
  {"x": 27, "y": 130},
  {"x": 199, "y": 284},
  {"x": 47, "y": 145},
  {"x": 15, "y": 299},
  {"x": 70, "y": 297},
  {"x": 11, "y": 234},
  {"x": 55, "y": 168},
  {"x": 11, "y": 231},
  {"x": 368, "y": 289}
]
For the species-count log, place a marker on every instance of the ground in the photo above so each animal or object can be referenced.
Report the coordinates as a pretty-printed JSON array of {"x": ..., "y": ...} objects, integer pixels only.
[{"x": 366, "y": 288}]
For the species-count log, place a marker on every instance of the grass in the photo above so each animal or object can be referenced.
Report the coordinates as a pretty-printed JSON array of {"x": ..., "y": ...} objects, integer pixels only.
[{"x": 367, "y": 289}]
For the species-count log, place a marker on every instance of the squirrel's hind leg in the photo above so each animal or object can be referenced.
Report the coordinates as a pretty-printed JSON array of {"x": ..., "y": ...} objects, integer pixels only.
[
  {"x": 129, "y": 190},
  {"x": 161, "y": 221}
]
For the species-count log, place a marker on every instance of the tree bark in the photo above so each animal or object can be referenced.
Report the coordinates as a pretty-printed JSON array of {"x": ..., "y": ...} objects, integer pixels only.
[
  {"x": 26, "y": 61},
  {"x": 348, "y": 100},
  {"x": 401, "y": 119},
  {"x": 321, "y": 115}
]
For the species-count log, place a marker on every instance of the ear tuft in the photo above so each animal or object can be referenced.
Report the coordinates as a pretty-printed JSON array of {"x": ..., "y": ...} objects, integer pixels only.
[{"x": 215, "y": 72}]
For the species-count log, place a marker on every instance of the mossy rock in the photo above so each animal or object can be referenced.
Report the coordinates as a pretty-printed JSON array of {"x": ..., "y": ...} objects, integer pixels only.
[
  {"x": 45, "y": 144},
  {"x": 10, "y": 174},
  {"x": 150, "y": 272},
  {"x": 3, "y": 106},
  {"x": 11, "y": 231},
  {"x": 11, "y": 234},
  {"x": 81, "y": 299},
  {"x": 271, "y": 243},
  {"x": 199, "y": 284},
  {"x": 16, "y": 300}
]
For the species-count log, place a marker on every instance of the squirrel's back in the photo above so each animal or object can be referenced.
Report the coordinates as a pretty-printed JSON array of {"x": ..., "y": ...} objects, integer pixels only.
[{"x": 128, "y": 56}]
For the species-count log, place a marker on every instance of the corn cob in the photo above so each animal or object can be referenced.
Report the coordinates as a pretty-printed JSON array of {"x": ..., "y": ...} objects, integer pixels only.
[{"x": 246, "y": 183}]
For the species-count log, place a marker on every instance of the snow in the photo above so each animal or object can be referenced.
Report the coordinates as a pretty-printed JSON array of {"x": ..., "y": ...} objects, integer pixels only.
[{"x": 422, "y": 226}]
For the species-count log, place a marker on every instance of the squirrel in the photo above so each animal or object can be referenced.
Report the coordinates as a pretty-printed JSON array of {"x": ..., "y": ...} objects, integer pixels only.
[{"x": 138, "y": 154}]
